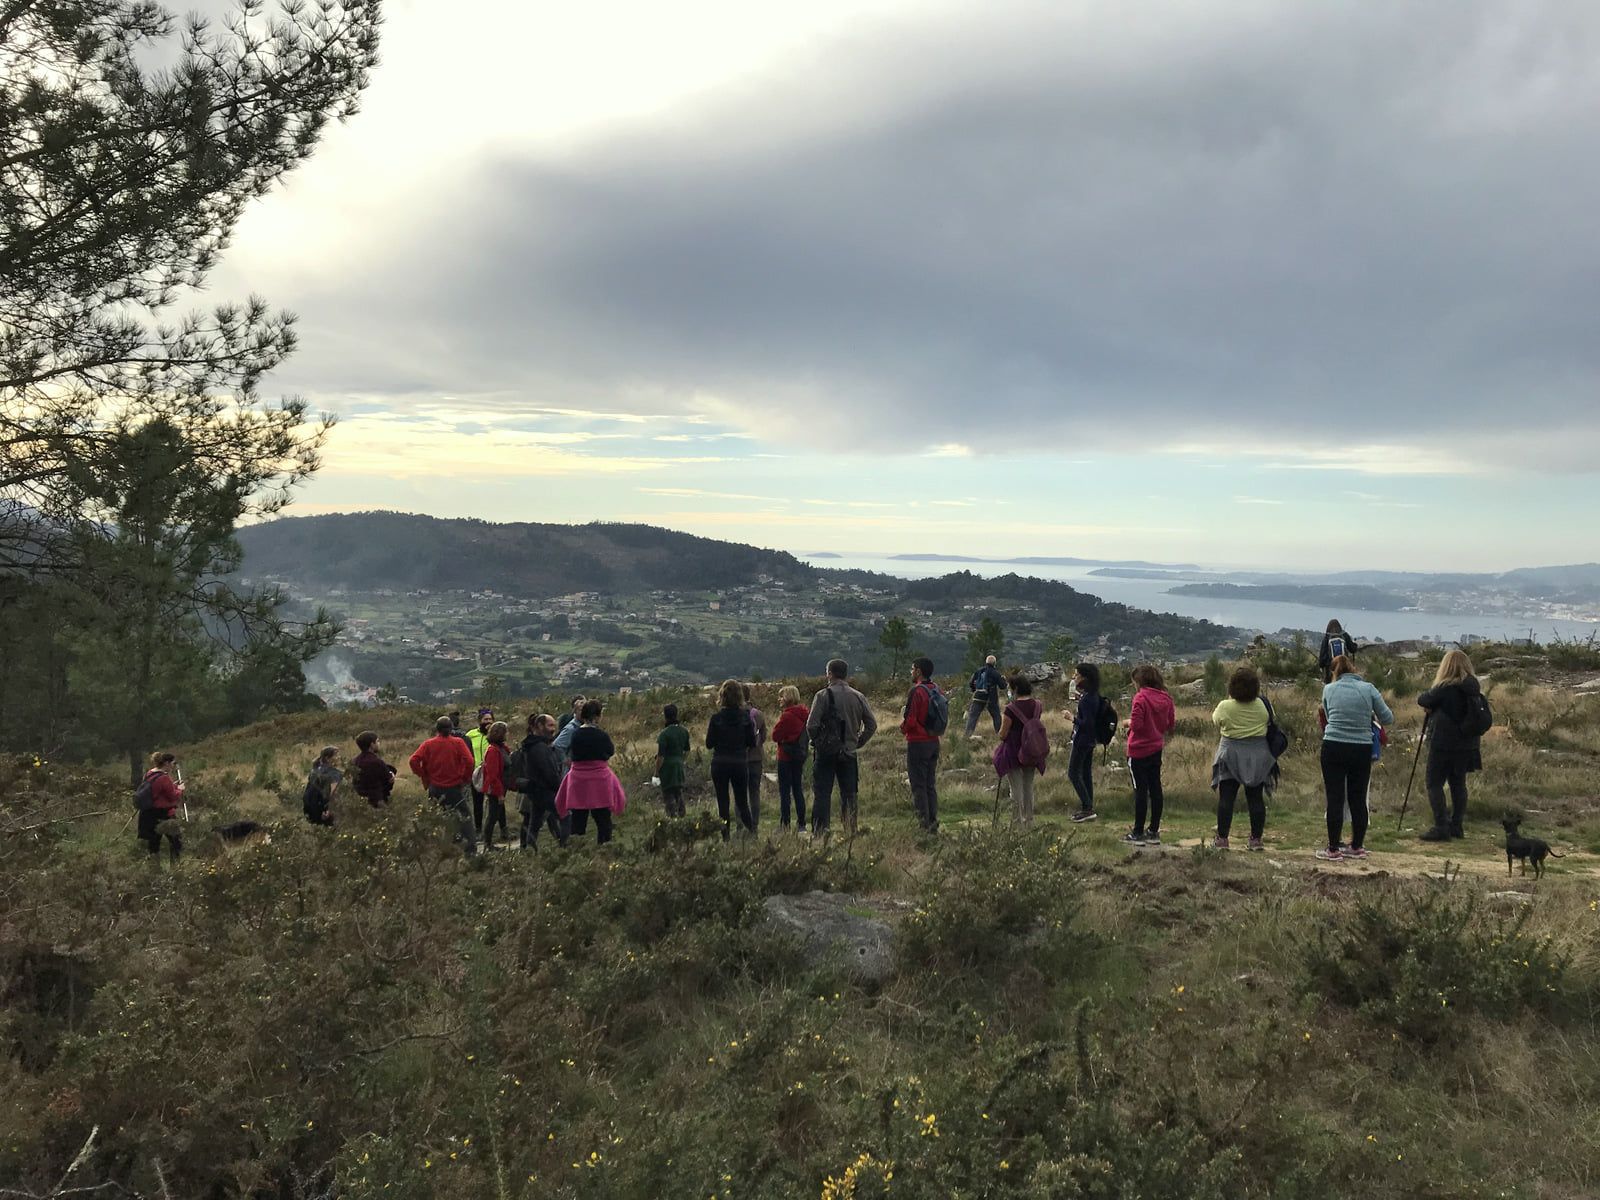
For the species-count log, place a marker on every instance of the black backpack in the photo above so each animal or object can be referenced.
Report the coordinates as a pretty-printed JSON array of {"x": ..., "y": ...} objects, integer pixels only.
[
  {"x": 1479, "y": 717},
  {"x": 1277, "y": 739},
  {"x": 517, "y": 770},
  {"x": 829, "y": 739},
  {"x": 144, "y": 796},
  {"x": 1105, "y": 723}
]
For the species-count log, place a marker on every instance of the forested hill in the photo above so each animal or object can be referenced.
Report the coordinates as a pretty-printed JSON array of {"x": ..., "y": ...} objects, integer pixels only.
[
  {"x": 407, "y": 551},
  {"x": 398, "y": 552}
]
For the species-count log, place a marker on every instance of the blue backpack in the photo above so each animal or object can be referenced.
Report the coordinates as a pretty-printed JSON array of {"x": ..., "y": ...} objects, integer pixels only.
[{"x": 938, "y": 717}]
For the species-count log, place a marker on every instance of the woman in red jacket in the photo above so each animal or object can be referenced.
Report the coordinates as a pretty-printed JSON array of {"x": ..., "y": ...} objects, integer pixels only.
[
  {"x": 158, "y": 797},
  {"x": 1150, "y": 723},
  {"x": 496, "y": 764},
  {"x": 789, "y": 736}
]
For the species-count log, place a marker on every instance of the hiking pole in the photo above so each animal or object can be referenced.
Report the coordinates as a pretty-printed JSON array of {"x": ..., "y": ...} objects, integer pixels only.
[
  {"x": 179, "y": 771},
  {"x": 995, "y": 820},
  {"x": 1421, "y": 735}
]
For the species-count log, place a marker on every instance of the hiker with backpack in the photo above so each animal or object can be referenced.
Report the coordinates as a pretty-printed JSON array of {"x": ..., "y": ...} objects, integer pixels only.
[
  {"x": 841, "y": 722},
  {"x": 540, "y": 778},
  {"x": 494, "y": 780},
  {"x": 985, "y": 686},
  {"x": 1350, "y": 704},
  {"x": 926, "y": 717},
  {"x": 157, "y": 799},
  {"x": 590, "y": 787},
  {"x": 373, "y": 778},
  {"x": 1151, "y": 719},
  {"x": 1458, "y": 715},
  {"x": 444, "y": 764},
  {"x": 789, "y": 736},
  {"x": 1094, "y": 724},
  {"x": 1244, "y": 756},
  {"x": 478, "y": 739},
  {"x": 730, "y": 734},
  {"x": 1334, "y": 643},
  {"x": 321, "y": 785},
  {"x": 672, "y": 748},
  {"x": 756, "y": 760},
  {"x": 1024, "y": 747}
]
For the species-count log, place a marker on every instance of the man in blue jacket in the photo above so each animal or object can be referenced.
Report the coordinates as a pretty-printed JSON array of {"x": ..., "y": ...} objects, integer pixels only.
[{"x": 985, "y": 686}]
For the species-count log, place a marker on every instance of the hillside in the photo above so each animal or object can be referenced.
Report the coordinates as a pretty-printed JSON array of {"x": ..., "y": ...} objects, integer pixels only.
[
  {"x": 407, "y": 551},
  {"x": 632, "y": 606},
  {"x": 361, "y": 1013}
]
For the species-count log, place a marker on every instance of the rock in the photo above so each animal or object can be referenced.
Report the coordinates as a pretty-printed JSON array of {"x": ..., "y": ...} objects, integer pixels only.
[
  {"x": 1515, "y": 897},
  {"x": 832, "y": 928},
  {"x": 1041, "y": 672}
]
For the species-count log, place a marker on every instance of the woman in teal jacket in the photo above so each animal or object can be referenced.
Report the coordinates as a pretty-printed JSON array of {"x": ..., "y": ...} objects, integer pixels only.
[{"x": 1350, "y": 704}]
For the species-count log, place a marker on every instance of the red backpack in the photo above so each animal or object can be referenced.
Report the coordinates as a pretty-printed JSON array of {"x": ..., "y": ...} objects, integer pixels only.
[{"x": 1035, "y": 746}]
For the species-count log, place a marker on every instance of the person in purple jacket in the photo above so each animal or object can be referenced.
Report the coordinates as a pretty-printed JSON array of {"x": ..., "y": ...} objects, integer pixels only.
[{"x": 1080, "y": 766}]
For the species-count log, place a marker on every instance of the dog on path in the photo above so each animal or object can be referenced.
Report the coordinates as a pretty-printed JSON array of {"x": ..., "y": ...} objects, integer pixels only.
[{"x": 1526, "y": 848}]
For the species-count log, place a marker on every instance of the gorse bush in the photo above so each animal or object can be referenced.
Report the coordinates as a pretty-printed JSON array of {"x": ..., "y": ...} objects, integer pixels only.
[
  {"x": 992, "y": 894},
  {"x": 1414, "y": 962}
]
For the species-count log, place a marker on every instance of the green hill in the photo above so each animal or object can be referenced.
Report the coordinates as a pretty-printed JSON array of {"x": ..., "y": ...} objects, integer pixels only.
[{"x": 360, "y": 1013}]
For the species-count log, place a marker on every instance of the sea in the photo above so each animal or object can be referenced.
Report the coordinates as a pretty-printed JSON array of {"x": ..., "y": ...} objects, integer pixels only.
[{"x": 1265, "y": 616}]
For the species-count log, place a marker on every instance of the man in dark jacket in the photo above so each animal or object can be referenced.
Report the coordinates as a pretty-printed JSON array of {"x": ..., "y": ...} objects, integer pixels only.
[
  {"x": 543, "y": 780},
  {"x": 985, "y": 686}
]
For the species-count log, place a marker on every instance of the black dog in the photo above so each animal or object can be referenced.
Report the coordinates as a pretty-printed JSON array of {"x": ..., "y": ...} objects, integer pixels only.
[
  {"x": 241, "y": 834},
  {"x": 1526, "y": 848}
]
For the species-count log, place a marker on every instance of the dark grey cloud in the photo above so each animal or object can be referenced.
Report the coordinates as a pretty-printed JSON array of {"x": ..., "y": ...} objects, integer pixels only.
[{"x": 1066, "y": 223}]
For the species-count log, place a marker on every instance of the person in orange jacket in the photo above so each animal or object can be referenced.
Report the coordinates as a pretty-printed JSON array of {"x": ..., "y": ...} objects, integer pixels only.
[{"x": 444, "y": 764}]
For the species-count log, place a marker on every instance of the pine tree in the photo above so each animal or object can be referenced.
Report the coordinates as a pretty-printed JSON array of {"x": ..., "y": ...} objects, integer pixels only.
[
  {"x": 895, "y": 639},
  {"x": 988, "y": 638}
]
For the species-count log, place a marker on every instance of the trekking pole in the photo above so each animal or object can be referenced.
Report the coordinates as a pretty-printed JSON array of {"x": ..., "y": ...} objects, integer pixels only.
[
  {"x": 995, "y": 820},
  {"x": 1421, "y": 735},
  {"x": 179, "y": 771}
]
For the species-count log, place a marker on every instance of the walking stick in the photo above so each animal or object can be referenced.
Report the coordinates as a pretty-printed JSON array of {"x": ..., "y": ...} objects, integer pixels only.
[
  {"x": 1414, "y": 761},
  {"x": 995, "y": 820}
]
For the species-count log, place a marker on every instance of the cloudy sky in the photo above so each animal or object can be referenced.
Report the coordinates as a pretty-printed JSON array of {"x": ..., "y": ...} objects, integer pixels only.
[{"x": 1234, "y": 282}]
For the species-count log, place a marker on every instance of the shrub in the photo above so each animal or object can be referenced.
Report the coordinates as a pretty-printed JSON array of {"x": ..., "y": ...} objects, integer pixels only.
[
  {"x": 1411, "y": 964},
  {"x": 1216, "y": 678}
]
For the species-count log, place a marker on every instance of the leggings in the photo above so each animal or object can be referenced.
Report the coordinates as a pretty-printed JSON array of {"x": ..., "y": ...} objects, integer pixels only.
[
  {"x": 1346, "y": 771},
  {"x": 734, "y": 777},
  {"x": 1255, "y": 800},
  {"x": 602, "y": 823},
  {"x": 149, "y": 818},
  {"x": 1147, "y": 792},
  {"x": 1080, "y": 772},
  {"x": 792, "y": 786}
]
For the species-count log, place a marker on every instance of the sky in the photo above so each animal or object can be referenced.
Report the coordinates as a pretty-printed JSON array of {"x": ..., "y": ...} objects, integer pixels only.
[{"x": 1244, "y": 283}]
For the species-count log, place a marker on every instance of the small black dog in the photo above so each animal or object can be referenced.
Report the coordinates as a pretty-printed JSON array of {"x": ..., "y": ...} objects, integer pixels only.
[
  {"x": 241, "y": 834},
  {"x": 1526, "y": 848}
]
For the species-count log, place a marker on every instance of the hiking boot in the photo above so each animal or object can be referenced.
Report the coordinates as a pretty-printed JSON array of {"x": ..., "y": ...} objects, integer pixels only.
[
  {"x": 1333, "y": 855},
  {"x": 1457, "y": 832},
  {"x": 1437, "y": 834},
  {"x": 1134, "y": 839},
  {"x": 1152, "y": 838},
  {"x": 1255, "y": 843},
  {"x": 1219, "y": 843},
  {"x": 1082, "y": 815}
]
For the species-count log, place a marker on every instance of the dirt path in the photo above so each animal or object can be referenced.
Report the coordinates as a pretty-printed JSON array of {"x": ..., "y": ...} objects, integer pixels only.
[{"x": 1477, "y": 862}]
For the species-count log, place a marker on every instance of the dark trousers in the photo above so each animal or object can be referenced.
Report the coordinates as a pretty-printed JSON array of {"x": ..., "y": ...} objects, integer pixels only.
[
  {"x": 317, "y": 812},
  {"x": 732, "y": 778},
  {"x": 1255, "y": 799},
  {"x": 536, "y": 811},
  {"x": 991, "y": 703},
  {"x": 1346, "y": 771},
  {"x": 1442, "y": 772},
  {"x": 1080, "y": 773},
  {"x": 845, "y": 771},
  {"x": 497, "y": 816},
  {"x": 752, "y": 790},
  {"x": 149, "y": 818},
  {"x": 579, "y": 817},
  {"x": 477, "y": 810},
  {"x": 672, "y": 801},
  {"x": 453, "y": 801},
  {"x": 922, "y": 766},
  {"x": 792, "y": 786},
  {"x": 1147, "y": 794}
]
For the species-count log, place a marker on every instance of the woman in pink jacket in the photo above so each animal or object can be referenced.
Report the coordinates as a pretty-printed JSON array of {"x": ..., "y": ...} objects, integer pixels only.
[
  {"x": 591, "y": 787},
  {"x": 1149, "y": 725}
]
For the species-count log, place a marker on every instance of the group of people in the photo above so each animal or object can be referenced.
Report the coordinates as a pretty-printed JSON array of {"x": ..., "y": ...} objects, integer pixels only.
[{"x": 562, "y": 768}]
